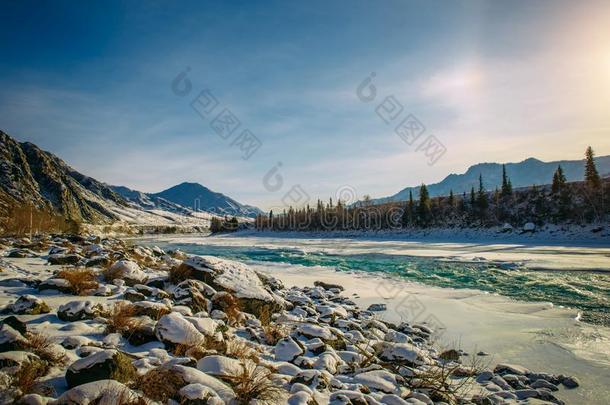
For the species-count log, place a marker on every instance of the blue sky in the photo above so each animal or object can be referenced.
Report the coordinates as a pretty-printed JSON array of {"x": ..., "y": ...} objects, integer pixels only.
[{"x": 492, "y": 81}]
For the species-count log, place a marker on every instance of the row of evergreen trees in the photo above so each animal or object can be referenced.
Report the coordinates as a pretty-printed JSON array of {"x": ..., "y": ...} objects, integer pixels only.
[{"x": 577, "y": 202}]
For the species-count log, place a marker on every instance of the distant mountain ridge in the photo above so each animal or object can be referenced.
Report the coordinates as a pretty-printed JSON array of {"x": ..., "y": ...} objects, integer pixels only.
[{"x": 526, "y": 173}]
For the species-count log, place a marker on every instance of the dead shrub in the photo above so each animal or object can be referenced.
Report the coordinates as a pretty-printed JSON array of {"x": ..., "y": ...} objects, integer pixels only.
[
  {"x": 239, "y": 349},
  {"x": 42, "y": 346},
  {"x": 275, "y": 332},
  {"x": 253, "y": 383},
  {"x": 27, "y": 378},
  {"x": 82, "y": 281},
  {"x": 160, "y": 384},
  {"x": 230, "y": 306},
  {"x": 120, "y": 319}
]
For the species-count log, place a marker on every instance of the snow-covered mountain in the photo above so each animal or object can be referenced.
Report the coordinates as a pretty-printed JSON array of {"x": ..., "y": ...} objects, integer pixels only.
[
  {"x": 197, "y": 197},
  {"x": 522, "y": 174},
  {"x": 29, "y": 175}
]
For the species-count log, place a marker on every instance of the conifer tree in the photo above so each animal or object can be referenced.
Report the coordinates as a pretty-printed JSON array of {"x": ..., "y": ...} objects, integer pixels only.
[
  {"x": 424, "y": 208},
  {"x": 507, "y": 187},
  {"x": 592, "y": 179},
  {"x": 482, "y": 202},
  {"x": 407, "y": 215},
  {"x": 451, "y": 201},
  {"x": 559, "y": 180}
]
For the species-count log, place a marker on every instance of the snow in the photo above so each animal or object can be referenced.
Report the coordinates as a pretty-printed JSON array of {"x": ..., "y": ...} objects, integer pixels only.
[
  {"x": 176, "y": 329},
  {"x": 233, "y": 276},
  {"x": 194, "y": 376},
  {"x": 313, "y": 330},
  {"x": 217, "y": 365},
  {"x": 129, "y": 270},
  {"x": 287, "y": 349},
  {"x": 379, "y": 379},
  {"x": 194, "y": 392},
  {"x": 207, "y": 326},
  {"x": 102, "y": 392},
  {"x": 92, "y": 360}
]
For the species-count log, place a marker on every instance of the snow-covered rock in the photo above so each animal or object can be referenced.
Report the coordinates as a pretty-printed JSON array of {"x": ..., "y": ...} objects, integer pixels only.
[
  {"x": 381, "y": 380},
  {"x": 220, "y": 366},
  {"x": 174, "y": 329},
  {"x": 28, "y": 305},
  {"x": 128, "y": 271},
  {"x": 79, "y": 310},
  {"x": 102, "y": 392},
  {"x": 287, "y": 349},
  {"x": 106, "y": 364}
]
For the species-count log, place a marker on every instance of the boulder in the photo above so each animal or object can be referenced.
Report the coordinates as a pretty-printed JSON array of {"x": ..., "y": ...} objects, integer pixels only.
[
  {"x": 381, "y": 380},
  {"x": 193, "y": 394},
  {"x": 64, "y": 259},
  {"x": 377, "y": 307},
  {"x": 58, "y": 284},
  {"x": 102, "y": 392},
  {"x": 79, "y": 310},
  {"x": 287, "y": 349},
  {"x": 220, "y": 366},
  {"x": 328, "y": 286},
  {"x": 103, "y": 365},
  {"x": 236, "y": 278},
  {"x": 194, "y": 376},
  {"x": 15, "y": 323},
  {"x": 28, "y": 305},
  {"x": 174, "y": 329},
  {"x": 126, "y": 270},
  {"x": 10, "y": 339}
]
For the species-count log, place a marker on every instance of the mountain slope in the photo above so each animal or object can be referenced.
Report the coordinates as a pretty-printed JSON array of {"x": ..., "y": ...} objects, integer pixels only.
[
  {"x": 30, "y": 175},
  {"x": 526, "y": 173},
  {"x": 198, "y": 197}
]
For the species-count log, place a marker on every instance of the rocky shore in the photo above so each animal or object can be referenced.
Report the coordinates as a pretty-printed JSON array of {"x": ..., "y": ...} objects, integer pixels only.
[{"x": 87, "y": 320}]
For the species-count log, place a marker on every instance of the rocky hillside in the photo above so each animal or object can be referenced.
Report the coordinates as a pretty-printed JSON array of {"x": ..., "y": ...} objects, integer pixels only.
[{"x": 30, "y": 175}]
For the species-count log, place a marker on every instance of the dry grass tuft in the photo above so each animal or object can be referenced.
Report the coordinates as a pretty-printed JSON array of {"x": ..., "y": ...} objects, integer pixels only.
[
  {"x": 229, "y": 304},
  {"x": 42, "y": 346},
  {"x": 82, "y": 281},
  {"x": 160, "y": 384},
  {"x": 121, "y": 318},
  {"x": 27, "y": 378},
  {"x": 253, "y": 383},
  {"x": 239, "y": 349},
  {"x": 274, "y": 332}
]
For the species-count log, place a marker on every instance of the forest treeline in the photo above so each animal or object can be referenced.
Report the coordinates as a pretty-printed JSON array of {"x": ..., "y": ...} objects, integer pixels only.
[{"x": 581, "y": 202}]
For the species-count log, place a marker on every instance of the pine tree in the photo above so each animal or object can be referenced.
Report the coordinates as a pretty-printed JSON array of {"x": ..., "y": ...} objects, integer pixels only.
[
  {"x": 407, "y": 215},
  {"x": 559, "y": 180},
  {"x": 423, "y": 208},
  {"x": 592, "y": 179},
  {"x": 451, "y": 201},
  {"x": 507, "y": 187},
  {"x": 482, "y": 202}
]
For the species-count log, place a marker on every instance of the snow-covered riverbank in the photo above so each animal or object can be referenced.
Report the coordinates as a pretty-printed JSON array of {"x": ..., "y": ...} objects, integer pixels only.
[{"x": 164, "y": 325}]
